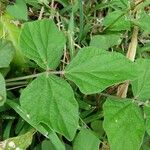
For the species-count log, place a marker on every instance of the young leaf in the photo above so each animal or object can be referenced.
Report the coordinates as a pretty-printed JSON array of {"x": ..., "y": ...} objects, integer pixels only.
[
  {"x": 117, "y": 21},
  {"x": 147, "y": 116},
  {"x": 6, "y": 53},
  {"x": 105, "y": 41},
  {"x": 124, "y": 124},
  {"x": 2, "y": 90},
  {"x": 50, "y": 100},
  {"x": 86, "y": 140},
  {"x": 93, "y": 70},
  {"x": 141, "y": 85},
  {"x": 21, "y": 142},
  {"x": 18, "y": 10},
  {"x": 42, "y": 42}
]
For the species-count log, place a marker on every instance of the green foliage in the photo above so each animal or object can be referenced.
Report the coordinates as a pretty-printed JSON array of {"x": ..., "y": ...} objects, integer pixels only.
[
  {"x": 147, "y": 116},
  {"x": 71, "y": 56},
  {"x": 6, "y": 53},
  {"x": 93, "y": 70},
  {"x": 105, "y": 41},
  {"x": 123, "y": 122},
  {"x": 86, "y": 140},
  {"x": 121, "y": 4},
  {"x": 2, "y": 90},
  {"x": 141, "y": 85},
  {"x": 18, "y": 10},
  {"x": 12, "y": 33},
  {"x": 42, "y": 42},
  {"x": 54, "y": 98},
  {"x": 144, "y": 22},
  {"x": 117, "y": 21}
]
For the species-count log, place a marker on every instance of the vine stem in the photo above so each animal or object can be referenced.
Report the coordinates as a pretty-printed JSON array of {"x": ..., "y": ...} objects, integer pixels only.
[
  {"x": 123, "y": 89},
  {"x": 33, "y": 76}
]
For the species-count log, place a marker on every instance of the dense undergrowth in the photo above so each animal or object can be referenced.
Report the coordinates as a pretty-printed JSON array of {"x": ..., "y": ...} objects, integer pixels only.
[{"x": 74, "y": 75}]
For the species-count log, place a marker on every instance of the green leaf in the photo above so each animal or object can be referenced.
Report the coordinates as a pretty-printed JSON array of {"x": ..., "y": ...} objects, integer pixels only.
[
  {"x": 18, "y": 10},
  {"x": 124, "y": 124},
  {"x": 50, "y": 101},
  {"x": 2, "y": 90},
  {"x": 93, "y": 70},
  {"x": 42, "y": 42},
  {"x": 18, "y": 143},
  {"x": 13, "y": 33},
  {"x": 48, "y": 133},
  {"x": 6, "y": 53},
  {"x": 144, "y": 22},
  {"x": 86, "y": 140},
  {"x": 141, "y": 85},
  {"x": 105, "y": 41},
  {"x": 97, "y": 127},
  {"x": 147, "y": 116},
  {"x": 47, "y": 145},
  {"x": 117, "y": 21}
]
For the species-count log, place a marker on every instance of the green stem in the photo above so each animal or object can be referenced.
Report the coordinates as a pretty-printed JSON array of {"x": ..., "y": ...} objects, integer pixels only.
[
  {"x": 16, "y": 83},
  {"x": 33, "y": 76}
]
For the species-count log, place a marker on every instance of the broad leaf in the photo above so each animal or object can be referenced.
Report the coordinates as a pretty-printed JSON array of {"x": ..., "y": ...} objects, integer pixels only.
[
  {"x": 18, "y": 10},
  {"x": 86, "y": 140},
  {"x": 48, "y": 133},
  {"x": 141, "y": 85},
  {"x": 124, "y": 124},
  {"x": 50, "y": 100},
  {"x": 21, "y": 142},
  {"x": 93, "y": 70},
  {"x": 6, "y": 53},
  {"x": 147, "y": 116},
  {"x": 2, "y": 90},
  {"x": 117, "y": 21},
  {"x": 105, "y": 41},
  {"x": 42, "y": 42}
]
